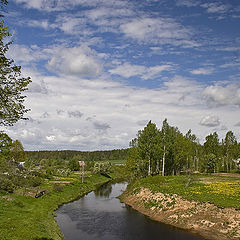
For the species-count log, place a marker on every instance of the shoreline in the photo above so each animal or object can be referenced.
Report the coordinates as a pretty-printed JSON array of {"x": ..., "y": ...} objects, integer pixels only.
[
  {"x": 38, "y": 215},
  {"x": 203, "y": 219}
]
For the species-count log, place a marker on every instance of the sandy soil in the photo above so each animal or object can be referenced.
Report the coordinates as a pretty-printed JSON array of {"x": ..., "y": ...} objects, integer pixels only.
[{"x": 202, "y": 218}]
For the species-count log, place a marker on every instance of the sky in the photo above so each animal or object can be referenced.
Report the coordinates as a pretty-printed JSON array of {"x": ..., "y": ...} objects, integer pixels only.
[{"x": 101, "y": 69}]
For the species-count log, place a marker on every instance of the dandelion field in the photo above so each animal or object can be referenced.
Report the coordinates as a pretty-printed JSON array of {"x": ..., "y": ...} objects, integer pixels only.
[{"x": 223, "y": 191}]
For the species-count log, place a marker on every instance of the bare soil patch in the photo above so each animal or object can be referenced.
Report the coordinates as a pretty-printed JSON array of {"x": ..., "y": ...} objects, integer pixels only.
[{"x": 204, "y": 219}]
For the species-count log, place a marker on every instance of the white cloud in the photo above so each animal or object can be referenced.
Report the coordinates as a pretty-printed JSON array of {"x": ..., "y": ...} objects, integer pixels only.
[
  {"x": 156, "y": 70},
  {"x": 41, "y": 24},
  {"x": 51, "y": 138},
  {"x": 222, "y": 95},
  {"x": 215, "y": 7},
  {"x": 210, "y": 121},
  {"x": 25, "y": 55},
  {"x": 104, "y": 109},
  {"x": 58, "y": 5},
  {"x": 188, "y": 3},
  {"x": 157, "y": 30},
  {"x": 81, "y": 61},
  {"x": 237, "y": 124},
  {"x": 75, "y": 114},
  {"x": 202, "y": 71},
  {"x": 129, "y": 70}
]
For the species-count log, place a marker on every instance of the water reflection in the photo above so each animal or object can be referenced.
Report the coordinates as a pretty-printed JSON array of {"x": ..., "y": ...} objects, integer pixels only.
[
  {"x": 100, "y": 215},
  {"x": 104, "y": 190}
]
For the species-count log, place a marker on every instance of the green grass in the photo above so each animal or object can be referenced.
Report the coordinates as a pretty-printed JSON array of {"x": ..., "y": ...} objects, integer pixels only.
[
  {"x": 30, "y": 218},
  {"x": 221, "y": 191}
]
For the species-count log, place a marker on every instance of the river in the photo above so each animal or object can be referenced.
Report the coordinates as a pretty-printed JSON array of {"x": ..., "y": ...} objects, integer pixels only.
[{"x": 101, "y": 216}]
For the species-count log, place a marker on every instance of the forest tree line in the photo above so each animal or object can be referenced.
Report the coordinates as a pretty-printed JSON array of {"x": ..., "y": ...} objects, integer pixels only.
[
  {"x": 66, "y": 155},
  {"x": 167, "y": 151}
]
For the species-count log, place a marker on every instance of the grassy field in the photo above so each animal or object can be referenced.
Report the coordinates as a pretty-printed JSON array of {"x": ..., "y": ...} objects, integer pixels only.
[
  {"x": 25, "y": 217},
  {"x": 223, "y": 191}
]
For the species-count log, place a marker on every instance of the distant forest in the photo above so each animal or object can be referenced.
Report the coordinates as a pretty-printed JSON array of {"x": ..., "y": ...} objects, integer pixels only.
[{"x": 108, "y": 155}]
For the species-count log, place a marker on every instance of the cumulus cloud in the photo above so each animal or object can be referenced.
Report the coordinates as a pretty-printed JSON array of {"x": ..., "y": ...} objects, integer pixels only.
[
  {"x": 129, "y": 70},
  {"x": 188, "y": 3},
  {"x": 215, "y": 7},
  {"x": 81, "y": 61},
  {"x": 35, "y": 87},
  {"x": 24, "y": 54},
  {"x": 237, "y": 124},
  {"x": 101, "y": 125},
  {"x": 222, "y": 95},
  {"x": 75, "y": 114},
  {"x": 202, "y": 71},
  {"x": 210, "y": 121},
  {"x": 51, "y": 138},
  {"x": 110, "y": 109},
  {"x": 142, "y": 122},
  {"x": 45, "y": 115},
  {"x": 58, "y": 5},
  {"x": 157, "y": 30},
  {"x": 40, "y": 23}
]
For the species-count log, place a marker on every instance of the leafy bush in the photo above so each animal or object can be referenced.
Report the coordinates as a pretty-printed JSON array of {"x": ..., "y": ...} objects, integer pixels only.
[
  {"x": 73, "y": 164},
  {"x": 6, "y": 184},
  {"x": 34, "y": 181}
]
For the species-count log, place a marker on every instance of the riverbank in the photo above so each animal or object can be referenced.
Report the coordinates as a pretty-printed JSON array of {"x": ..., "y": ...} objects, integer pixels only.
[
  {"x": 24, "y": 217},
  {"x": 205, "y": 205}
]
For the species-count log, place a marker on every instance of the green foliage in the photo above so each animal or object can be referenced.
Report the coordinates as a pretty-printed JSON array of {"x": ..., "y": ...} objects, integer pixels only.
[
  {"x": 5, "y": 143},
  {"x": 12, "y": 84},
  {"x": 169, "y": 151},
  {"x": 66, "y": 155},
  {"x": 209, "y": 163},
  {"x": 17, "y": 151},
  {"x": 148, "y": 147},
  {"x": 6, "y": 184},
  {"x": 73, "y": 163}
]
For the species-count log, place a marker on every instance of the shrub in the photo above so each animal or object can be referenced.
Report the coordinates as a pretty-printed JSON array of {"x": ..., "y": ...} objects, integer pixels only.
[
  {"x": 6, "y": 185},
  {"x": 34, "y": 181}
]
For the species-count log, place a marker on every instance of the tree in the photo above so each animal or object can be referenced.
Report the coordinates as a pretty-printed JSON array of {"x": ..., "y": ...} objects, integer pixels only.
[
  {"x": 211, "y": 144},
  {"x": 17, "y": 151},
  {"x": 5, "y": 143},
  {"x": 180, "y": 153},
  {"x": 12, "y": 84},
  {"x": 134, "y": 162},
  {"x": 230, "y": 149},
  {"x": 73, "y": 163},
  {"x": 209, "y": 163},
  {"x": 148, "y": 145}
]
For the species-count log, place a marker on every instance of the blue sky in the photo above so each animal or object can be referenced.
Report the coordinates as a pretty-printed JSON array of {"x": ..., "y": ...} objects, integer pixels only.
[{"x": 101, "y": 69}]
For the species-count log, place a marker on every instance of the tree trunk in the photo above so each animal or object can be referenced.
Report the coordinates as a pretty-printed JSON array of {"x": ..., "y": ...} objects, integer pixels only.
[
  {"x": 157, "y": 167},
  {"x": 163, "y": 162},
  {"x": 149, "y": 166}
]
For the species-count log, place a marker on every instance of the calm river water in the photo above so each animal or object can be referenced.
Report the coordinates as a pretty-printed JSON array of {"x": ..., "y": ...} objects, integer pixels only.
[{"x": 101, "y": 216}]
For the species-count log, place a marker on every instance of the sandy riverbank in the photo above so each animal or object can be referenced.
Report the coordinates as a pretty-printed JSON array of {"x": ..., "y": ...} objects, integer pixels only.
[{"x": 205, "y": 219}]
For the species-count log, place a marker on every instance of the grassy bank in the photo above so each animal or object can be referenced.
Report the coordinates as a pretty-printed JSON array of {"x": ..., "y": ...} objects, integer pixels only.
[
  {"x": 222, "y": 191},
  {"x": 204, "y": 204},
  {"x": 26, "y": 217}
]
